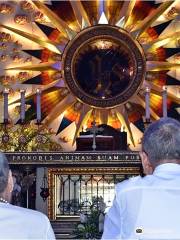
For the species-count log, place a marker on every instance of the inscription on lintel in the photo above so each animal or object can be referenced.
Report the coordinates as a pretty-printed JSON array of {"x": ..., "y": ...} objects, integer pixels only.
[{"x": 67, "y": 157}]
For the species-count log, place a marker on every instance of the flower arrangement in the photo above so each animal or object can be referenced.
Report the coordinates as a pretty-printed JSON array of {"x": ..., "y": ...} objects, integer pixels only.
[{"x": 91, "y": 223}]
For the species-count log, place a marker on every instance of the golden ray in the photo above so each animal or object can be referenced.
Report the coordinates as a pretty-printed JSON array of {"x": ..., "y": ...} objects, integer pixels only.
[
  {"x": 103, "y": 114},
  {"x": 126, "y": 118},
  {"x": 85, "y": 114},
  {"x": 122, "y": 13},
  {"x": 106, "y": 9},
  {"x": 67, "y": 102},
  {"x": 61, "y": 25},
  {"x": 161, "y": 41},
  {"x": 80, "y": 13},
  {"x": 139, "y": 100},
  {"x": 112, "y": 9},
  {"x": 158, "y": 91},
  {"x": 38, "y": 67},
  {"x": 100, "y": 11},
  {"x": 120, "y": 23},
  {"x": 95, "y": 114},
  {"x": 146, "y": 23},
  {"x": 123, "y": 118},
  {"x": 43, "y": 43},
  {"x": 98, "y": 120},
  {"x": 154, "y": 66},
  {"x": 91, "y": 7},
  {"x": 129, "y": 10},
  {"x": 44, "y": 89}
]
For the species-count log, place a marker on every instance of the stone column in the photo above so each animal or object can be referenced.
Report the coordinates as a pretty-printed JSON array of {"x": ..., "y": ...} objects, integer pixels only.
[{"x": 41, "y": 205}]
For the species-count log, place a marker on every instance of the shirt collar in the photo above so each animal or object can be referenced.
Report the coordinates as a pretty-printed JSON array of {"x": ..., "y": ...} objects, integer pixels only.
[{"x": 172, "y": 168}]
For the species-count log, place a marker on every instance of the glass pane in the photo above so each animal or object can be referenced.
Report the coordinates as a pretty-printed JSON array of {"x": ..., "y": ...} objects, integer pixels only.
[{"x": 75, "y": 193}]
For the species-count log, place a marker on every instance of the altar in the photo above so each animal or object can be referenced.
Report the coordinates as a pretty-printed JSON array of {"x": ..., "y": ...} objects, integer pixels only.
[
  {"x": 115, "y": 142},
  {"x": 85, "y": 143}
]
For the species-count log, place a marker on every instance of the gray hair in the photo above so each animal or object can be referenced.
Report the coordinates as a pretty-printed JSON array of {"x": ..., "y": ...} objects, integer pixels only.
[
  {"x": 161, "y": 140},
  {"x": 4, "y": 172}
]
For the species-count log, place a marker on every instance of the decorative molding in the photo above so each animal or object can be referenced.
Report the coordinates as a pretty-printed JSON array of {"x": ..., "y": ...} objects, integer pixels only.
[
  {"x": 53, "y": 173},
  {"x": 94, "y": 170},
  {"x": 74, "y": 158}
]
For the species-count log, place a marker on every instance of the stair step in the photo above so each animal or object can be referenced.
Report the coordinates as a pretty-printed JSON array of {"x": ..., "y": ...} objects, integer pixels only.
[
  {"x": 64, "y": 232},
  {"x": 64, "y": 227},
  {"x": 64, "y": 236}
]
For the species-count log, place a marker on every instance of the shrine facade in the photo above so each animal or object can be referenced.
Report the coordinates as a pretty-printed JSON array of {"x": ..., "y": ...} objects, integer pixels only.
[{"x": 73, "y": 179}]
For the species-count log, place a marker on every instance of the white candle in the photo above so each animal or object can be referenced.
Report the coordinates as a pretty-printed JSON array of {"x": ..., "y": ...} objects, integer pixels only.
[
  {"x": 22, "y": 113},
  {"x": 147, "y": 100},
  {"x": 164, "y": 101},
  {"x": 5, "y": 94},
  {"x": 38, "y": 105}
]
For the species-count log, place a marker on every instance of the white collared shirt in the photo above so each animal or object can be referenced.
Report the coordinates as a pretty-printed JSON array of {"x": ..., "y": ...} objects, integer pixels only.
[
  {"x": 20, "y": 223},
  {"x": 146, "y": 208}
]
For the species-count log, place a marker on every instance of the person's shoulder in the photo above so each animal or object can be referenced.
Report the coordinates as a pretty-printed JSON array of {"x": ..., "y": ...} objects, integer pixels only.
[
  {"x": 130, "y": 184},
  {"x": 28, "y": 213}
]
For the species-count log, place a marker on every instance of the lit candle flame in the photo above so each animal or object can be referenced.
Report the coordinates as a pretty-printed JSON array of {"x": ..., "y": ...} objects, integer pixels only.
[
  {"x": 147, "y": 89},
  {"x": 6, "y": 90},
  {"x": 164, "y": 88},
  {"x": 38, "y": 90}
]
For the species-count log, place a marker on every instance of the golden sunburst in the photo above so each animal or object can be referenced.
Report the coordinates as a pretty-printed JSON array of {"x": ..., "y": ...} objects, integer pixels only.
[{"x": 65, "y": 64}]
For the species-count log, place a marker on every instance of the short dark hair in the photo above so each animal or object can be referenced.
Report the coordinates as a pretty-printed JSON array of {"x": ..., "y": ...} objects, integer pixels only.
[
  {"x": 161, "y": 140},
  {"x": 4, "y": 172}
]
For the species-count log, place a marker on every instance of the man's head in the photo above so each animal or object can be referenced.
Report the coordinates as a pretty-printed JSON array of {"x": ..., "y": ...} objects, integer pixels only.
[
  {"x": 161, "y": 144},
  {"x": 6, "y": 182}
]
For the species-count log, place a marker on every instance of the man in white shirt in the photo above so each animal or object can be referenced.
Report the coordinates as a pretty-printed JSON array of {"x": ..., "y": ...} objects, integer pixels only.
[
  {"x": 16, "y": 222},
  {"x": 149, "y": 208}
]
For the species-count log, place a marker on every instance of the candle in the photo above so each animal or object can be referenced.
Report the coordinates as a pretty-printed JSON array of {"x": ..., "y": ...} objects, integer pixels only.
[
  {"x": 147, "y": 100},
  {"x": 22, "y": 113},
  {"x": 38, "y": 105},
  {"x": 5, "y": 94},
  {"x": 164, "y": 101}
]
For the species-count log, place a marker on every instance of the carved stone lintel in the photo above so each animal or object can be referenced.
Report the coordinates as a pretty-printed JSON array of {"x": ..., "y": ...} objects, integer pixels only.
[{"x": 74, "y": 158}]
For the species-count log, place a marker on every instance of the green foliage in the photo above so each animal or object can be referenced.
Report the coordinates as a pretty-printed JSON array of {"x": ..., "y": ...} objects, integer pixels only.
[{"x": 89, "y": 228}]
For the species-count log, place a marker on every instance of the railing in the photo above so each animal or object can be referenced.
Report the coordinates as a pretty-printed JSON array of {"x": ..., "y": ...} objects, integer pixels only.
[{"x": 75, "y": 193}]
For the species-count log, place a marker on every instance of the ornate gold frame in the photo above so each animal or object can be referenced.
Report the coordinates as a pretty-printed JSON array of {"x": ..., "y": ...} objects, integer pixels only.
[{"x": 52, "y": 172}]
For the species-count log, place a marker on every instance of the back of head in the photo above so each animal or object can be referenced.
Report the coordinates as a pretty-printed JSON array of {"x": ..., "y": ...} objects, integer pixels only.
[
  {"x": 161, "y": 141},
  {"x": 4, "y": 172}
]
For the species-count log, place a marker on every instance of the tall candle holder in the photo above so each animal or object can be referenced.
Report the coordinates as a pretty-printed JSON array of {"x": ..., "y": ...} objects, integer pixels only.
[
  {"x": 164, "y": 101},
  {"x": 22, "y": 107},
  {"x": 38, "y": 106},
  {"x": 146, "y": 121},
  {"x": 5, "y": 138},
  {"x": 6, "y": 115},
  {"x": 147, "y": 104}
]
